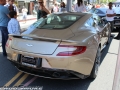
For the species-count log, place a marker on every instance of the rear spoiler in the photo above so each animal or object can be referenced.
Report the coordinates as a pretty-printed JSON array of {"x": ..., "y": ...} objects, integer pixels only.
[
  {"x": 33, "y": 37},
  {"x": 30, "y": 37}
]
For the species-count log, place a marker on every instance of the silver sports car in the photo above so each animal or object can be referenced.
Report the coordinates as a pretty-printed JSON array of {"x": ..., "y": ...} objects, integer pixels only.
[{"x": 63, "y": 45}]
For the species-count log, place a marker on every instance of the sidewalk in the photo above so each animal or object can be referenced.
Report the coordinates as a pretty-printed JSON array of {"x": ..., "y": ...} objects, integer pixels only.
[
  {"x": 29, "y": 17},
  {"x": 30, "y": 20}
]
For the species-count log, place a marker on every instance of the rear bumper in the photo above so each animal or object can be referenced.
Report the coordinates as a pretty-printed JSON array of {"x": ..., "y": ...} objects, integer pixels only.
[
  {"x": 49, "y": 73},
  {"x": 82, "y": 64}
]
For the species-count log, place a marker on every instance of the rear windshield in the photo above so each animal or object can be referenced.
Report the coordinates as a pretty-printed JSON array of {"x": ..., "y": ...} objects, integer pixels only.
[{"x": 55, "y": 21}]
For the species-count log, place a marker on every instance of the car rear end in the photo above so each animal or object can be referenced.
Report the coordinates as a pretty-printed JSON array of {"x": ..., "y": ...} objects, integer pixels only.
[
  {"x": 50, "y": 51},
  {"x": 50, "y": 58}
]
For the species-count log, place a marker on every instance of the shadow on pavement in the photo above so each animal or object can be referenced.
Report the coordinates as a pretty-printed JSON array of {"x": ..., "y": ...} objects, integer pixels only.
[
  {"x": 7, "y": 70},
  {"x": 105, "y": 50},
  {"x": 50, "y": 84}
]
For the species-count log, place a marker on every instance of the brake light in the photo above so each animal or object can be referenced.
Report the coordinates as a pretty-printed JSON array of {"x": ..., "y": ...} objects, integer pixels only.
[
  {"x": 75, "y": 50},
  {"x": 8, "y": 42}
]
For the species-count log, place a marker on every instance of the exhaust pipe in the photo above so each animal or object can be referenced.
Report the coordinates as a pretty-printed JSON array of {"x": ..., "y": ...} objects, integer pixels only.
[{"x": 56, "y": 74}]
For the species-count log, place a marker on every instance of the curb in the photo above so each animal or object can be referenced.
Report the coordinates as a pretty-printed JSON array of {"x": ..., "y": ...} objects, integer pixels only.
[{"x": 116, "y": 80}]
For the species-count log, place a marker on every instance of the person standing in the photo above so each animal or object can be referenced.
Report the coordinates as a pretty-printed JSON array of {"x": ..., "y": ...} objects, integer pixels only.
[
  {"x": 0, "y": 39},
  {"x": 42, "y": 11},
  {"x": 62, "y": 7},
  {"x": 24, "y": 13},
  {"x": 55, "y": 8},
  {"x": 13, "y": 24},
  {"x": 4, "y": 19},
  {"x": 110, "y": 13},
  {"x": 89, "y": 6},
  {"x": 11, "y": 6},
  {"x": 80, "y": 7}
]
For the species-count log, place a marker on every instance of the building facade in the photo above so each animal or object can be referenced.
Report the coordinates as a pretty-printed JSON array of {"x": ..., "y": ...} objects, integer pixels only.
[{"x": 32, "y": 5}]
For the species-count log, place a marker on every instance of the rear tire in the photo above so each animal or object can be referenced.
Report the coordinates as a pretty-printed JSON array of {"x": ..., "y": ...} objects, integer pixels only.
[
  {"x": 94, "y": 71},
  {"x": 108, "y": 41}
]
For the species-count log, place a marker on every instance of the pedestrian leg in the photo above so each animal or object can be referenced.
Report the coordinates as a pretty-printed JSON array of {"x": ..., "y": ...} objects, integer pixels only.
[
  {"x": 4, "y": 32},
  {"x": 0, "y": 38},
  {"x": 112, "y": 25}
]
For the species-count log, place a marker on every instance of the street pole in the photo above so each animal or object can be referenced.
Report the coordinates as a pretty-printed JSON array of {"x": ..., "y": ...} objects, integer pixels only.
[
  {"x": 25, "y": 3},
  {"x": 17, "y": 2},
  {"x": 48, "y": 3},
  {"x": 69, "y": 5},
  {"x": 54, "y": 1}
]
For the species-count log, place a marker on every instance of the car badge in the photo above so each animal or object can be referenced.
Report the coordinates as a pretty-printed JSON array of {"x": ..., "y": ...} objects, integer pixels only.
[{"x": 29, "y": 45}]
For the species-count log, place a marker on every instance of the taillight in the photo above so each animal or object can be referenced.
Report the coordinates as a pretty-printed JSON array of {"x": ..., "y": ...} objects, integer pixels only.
[
  {"x": 75, "y": 50},
  {"x": 9, "y": 41}
]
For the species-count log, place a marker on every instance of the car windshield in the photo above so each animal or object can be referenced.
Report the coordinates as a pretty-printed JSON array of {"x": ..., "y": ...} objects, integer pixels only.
[{"x": 57, "y": 21}]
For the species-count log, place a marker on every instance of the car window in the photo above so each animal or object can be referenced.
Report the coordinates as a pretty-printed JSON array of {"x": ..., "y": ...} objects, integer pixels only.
[
  {"x": 55, "y": 21},
  {"x": 56, "y": 18}
]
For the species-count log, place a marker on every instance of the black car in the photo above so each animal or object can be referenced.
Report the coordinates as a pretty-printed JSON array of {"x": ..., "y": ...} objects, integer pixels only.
[{"x": 117, "y": 17}]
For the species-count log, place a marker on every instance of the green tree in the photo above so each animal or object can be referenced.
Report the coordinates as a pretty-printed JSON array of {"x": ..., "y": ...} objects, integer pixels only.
[{"x": 106, "y": 1}]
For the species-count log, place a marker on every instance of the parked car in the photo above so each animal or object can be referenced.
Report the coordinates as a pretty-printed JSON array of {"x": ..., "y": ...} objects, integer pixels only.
[
  {"x": 116, "y": 4},
  {"x": 63, "y": 45},
  {"x": 99, "y": 11},
  {"x": 117, "y": 17},
  {"x": 102, "y": 13}
]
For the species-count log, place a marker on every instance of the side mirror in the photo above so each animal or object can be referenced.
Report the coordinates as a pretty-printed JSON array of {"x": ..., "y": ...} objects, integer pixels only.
[
  {"x": 94, "y": 24},
  {"x": 101, "y": 23}
]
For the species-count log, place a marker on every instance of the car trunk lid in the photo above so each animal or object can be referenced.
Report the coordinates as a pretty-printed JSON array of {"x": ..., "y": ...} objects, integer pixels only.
[
  {"x": 52, "y": 33},
  {"x": 36, "y": 45}
]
